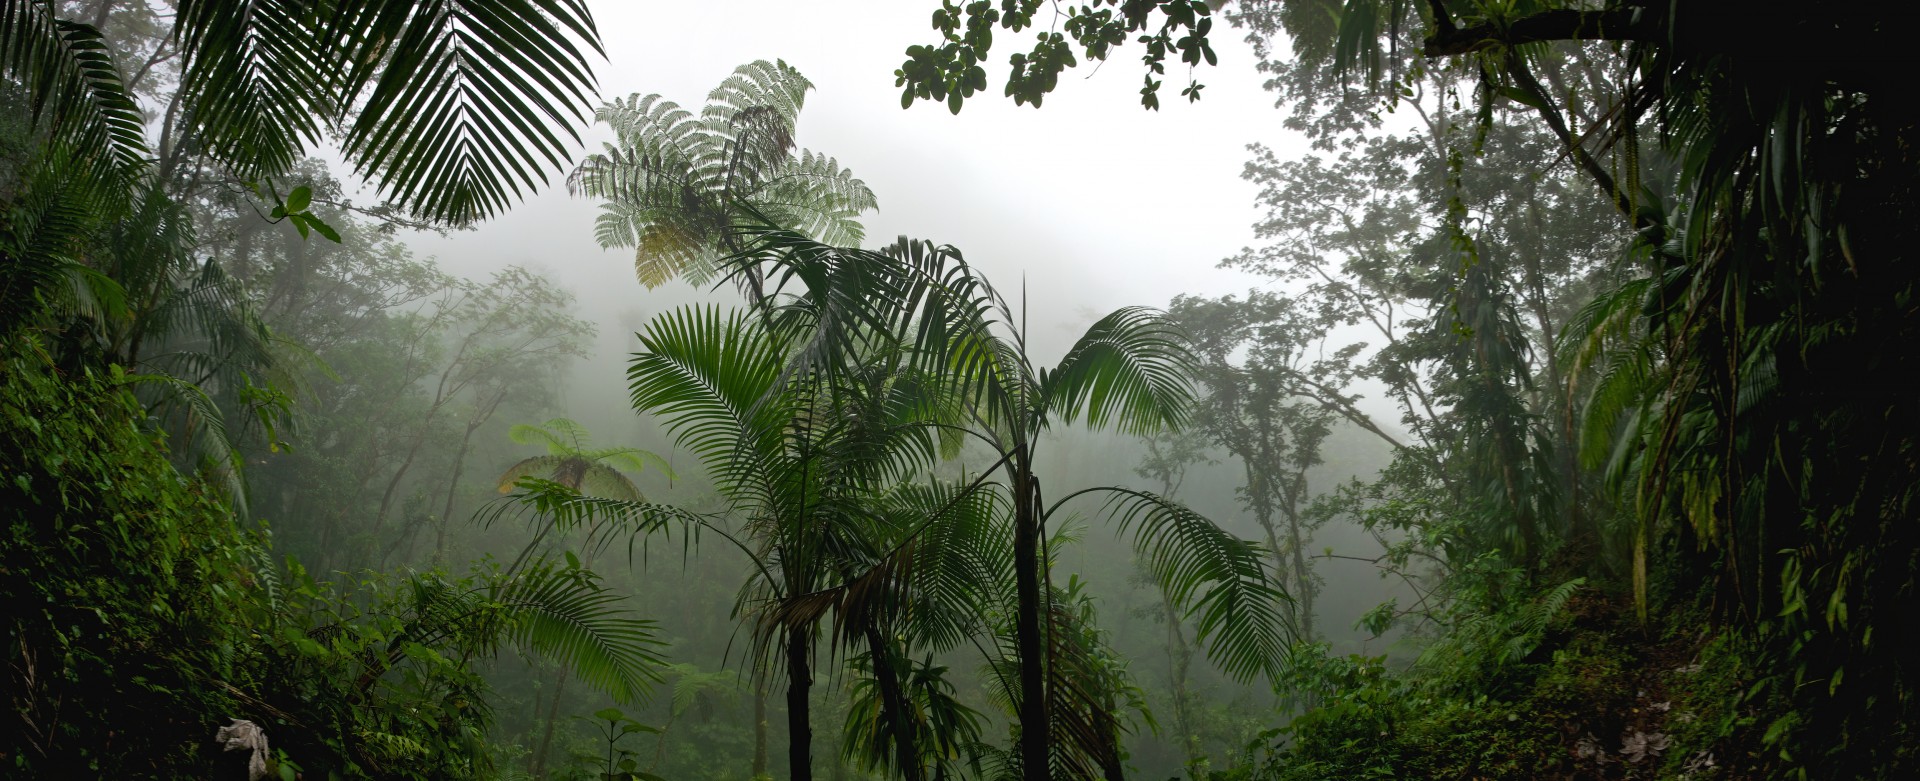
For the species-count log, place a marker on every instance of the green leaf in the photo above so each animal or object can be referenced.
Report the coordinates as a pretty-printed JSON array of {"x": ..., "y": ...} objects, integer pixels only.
[
  {"x": 321, "y": 227},
  {"x": 299, "y": 199},
  {"x": 1523, "y": 97},
  {"x": 609, "y": 714}
]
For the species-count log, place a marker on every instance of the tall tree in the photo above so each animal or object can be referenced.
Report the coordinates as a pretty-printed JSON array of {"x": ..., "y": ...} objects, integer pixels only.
[{"x": 1129, "y": 370}]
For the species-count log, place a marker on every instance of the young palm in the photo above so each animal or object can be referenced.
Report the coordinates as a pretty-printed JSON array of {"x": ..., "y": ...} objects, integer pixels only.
[
  {"x": 599, "y": 472},
  {"x": 793, "y": 456},
  {"x": 673, "y": 183}
]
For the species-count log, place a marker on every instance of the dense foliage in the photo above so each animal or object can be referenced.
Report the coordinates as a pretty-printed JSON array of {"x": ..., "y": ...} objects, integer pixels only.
[{"x": 1585, "y": 327}]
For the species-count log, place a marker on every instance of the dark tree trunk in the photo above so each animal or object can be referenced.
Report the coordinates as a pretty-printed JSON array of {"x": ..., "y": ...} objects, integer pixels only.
[
  {"x": 799, "y": 705},
  {"x": 539, "y": 766},
  {"x": 1035, "y": 731},
  {"x": 895, "y": 700}
]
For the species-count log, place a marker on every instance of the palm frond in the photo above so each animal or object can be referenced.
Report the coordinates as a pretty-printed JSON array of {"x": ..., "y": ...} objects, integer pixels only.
[
  {"x": 472, "y": 100},
  {"x": 708, "y": 375},
  {"x": 73, "y": 90},
  {"x": 1130, "y": 368},
  {"x": 1218, "y": 579},
  {"x": 52, "y": 220},
  {"x": 563, "y": 614}
]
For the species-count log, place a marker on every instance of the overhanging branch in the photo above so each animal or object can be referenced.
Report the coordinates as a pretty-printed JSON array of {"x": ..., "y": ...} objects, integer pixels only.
[{"x": 1620, "y": 24}]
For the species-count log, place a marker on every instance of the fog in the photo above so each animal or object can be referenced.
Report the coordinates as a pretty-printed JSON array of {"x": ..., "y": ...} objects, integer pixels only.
[{"x": 1083, "y": 206}]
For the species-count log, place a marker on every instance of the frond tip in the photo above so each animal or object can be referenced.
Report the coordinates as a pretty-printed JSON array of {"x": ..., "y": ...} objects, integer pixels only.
[
  {"x": 564, "y": 614},
  {"x": 1216, "y": 578}
]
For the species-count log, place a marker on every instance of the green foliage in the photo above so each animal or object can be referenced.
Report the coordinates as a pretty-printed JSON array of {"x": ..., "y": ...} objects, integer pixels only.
[
  {"x": 128, "y": 583},
  {"x": 1552, "y": 687},
  {"x": 673, "y": 184},
  {"x": 454, "y": 110},
  {"x": 951, "y": 71}
]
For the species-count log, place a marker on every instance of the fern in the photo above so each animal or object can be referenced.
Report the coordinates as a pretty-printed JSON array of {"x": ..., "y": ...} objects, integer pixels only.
[{"x": 673, "y": 185}]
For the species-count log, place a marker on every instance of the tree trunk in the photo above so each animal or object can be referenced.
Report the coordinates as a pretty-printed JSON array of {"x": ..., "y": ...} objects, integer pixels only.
[
  {"x": 539, "y": 766},
  {"x": 895, "y": 700},
  {"x": 1035, "y": 730},
  {"x": 1302, "y": 572},
  {"x": 453, "y": 485},
  {"x": 760, "y": 729},
  {"x": 1179, "y": 657},
  {"x": 799, "y": 705}
]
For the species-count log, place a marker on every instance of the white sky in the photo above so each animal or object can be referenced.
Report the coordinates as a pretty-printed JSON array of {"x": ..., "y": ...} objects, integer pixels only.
[{"x": 1098, "y": 202}]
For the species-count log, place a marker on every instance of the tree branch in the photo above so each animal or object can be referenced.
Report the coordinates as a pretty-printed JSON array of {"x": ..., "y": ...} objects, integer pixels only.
[{"x": 1619, "y": 24}]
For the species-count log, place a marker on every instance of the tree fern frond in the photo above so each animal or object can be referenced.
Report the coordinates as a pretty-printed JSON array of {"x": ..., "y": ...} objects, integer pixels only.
[{"x": 529, "y": 467}]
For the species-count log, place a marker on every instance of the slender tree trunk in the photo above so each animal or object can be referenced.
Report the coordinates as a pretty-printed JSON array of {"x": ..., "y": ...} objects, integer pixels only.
[
  {"x": 453, "y": 485},
  {"x": 1035, "y": 732},
  {"x": 760, "y": 729},
  {"x": 1179, "y": 657},
  {"x": 539, "y": 767},
  {"x": 1302, "y": 572},
  {"x": 799, "y": 706},
  {"x": 905, "y": 747}
]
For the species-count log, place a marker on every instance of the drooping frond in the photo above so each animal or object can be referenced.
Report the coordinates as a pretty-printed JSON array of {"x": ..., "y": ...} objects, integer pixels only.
[
  {"x": 1130, "y": 369},
  {"x": 249, "y": 108},
  {"x": 73, "y": 90},
  {"x": 1218, "y": 579},
  {"x": 605, "y": 481},
  {"x": 477, "y": 99},
  {"x": 549, "y": 505},
  {"x": 537, "y": 466},
  {"x": 631, "y": 459},
  {"x": 565, "y": 615},
  {"x": 206, "y": 431},
  {"x": 54, "y": 217}
]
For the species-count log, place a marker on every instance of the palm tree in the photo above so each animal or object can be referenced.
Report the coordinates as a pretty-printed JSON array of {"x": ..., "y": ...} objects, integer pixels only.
[
  {"x": 1129, "y": 370},
  {"x": 673, "y": 184},
  {"x": 854, "y": 373},
  {"x": 592, "y": 472},
  {"x": 794, "y": 456}
]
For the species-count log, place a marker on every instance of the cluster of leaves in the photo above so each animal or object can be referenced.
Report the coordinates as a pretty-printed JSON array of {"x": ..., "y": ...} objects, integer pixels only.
[
  {"x": 126, "y": 584},
  {"x": 952, "y": 71},
  {"x": 383, "y": 680},
  {"x": 1551, "y": 687},
  {"x": 146, "y": 597}
]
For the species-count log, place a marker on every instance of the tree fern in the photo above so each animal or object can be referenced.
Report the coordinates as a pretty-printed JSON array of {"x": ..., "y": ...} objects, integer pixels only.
[{"x": 672, "y": 185}]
